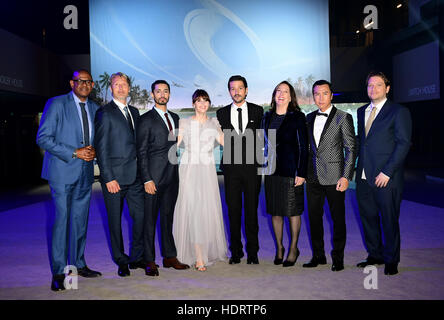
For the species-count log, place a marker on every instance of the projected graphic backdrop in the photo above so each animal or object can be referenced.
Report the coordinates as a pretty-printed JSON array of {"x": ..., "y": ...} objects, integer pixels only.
[{"x": 200, "y": 44}]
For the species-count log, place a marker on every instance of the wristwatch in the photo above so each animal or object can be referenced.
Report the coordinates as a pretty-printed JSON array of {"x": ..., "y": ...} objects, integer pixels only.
[{"x": 74, "y": 155}]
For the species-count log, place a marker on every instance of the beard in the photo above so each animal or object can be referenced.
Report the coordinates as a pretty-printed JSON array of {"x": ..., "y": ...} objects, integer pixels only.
[
  {"x": 238, "y": 98},
  {"x": 161, "y": 101}
]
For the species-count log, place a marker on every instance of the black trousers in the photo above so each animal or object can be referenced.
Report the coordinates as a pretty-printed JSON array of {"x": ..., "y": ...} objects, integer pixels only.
[
  {"x": 242, "y": 180},
  {"x": 162, "y": 203},
  {"x": 133, "y": 194},
  {"x": 380, "y": 207},
  {"x": 316, "y": 194}
]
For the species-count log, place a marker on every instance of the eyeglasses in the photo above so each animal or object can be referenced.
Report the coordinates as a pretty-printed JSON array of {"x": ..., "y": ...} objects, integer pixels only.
[{"x": 80, "y": 82}]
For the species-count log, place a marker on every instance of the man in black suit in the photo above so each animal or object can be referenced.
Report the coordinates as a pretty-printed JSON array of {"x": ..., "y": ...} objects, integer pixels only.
[
  {"x": 157, "y": 163},
  {"x": 384, "y": 133},
  {"x": 115, "y": 143},
  {"x": 332, "y": 150},
  {"x": 239, "y": 121}
]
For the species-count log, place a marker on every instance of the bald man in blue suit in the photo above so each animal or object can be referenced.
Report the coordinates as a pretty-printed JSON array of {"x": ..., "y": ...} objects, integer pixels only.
[{"x": 65, "y": 132}]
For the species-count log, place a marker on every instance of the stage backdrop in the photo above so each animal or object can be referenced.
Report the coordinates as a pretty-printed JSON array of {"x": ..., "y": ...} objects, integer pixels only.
[{"x": 201, "y": 43}]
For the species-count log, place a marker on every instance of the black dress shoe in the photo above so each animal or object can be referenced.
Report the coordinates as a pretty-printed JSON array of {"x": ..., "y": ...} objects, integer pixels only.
[
  {"x": 151, "y": 269},
  {"x": 57, "y": 283},
  {"x": 369, "y": 262},
  {"x": 88, "y": 273},
  {"x": 123, "y": 270},
  {"x": 288, "y": 263},
  {"x": 315, "y": 261},
  {"x": 234, "y": 260},
  {"x": 277, "y": 260},
  {"x": 391, "y": 269},
  {"x": 337, "y": 265},
  {"x": 252, "y": 260},
  {"x": 138, "y": 264}
]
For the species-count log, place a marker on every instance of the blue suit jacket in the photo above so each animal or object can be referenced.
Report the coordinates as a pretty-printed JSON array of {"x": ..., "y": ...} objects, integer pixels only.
[
  {"x": 115, "y": 144},
  {"x": 386, "y": 145},
  {"x": 60, "y": 134}
]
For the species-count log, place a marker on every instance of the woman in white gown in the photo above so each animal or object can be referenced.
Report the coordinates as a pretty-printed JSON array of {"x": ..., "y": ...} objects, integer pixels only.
[{"x": 198, "y": 226}]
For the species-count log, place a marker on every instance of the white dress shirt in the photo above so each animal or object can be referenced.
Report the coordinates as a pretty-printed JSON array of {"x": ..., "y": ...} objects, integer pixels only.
[
  {"x": 162, "y": 114},
  {"x": 319, "y": 124},
  {"x": 235, "y": 116},
  {"x": 121, "y": 106},
  {"x": 368, "y": 110}
]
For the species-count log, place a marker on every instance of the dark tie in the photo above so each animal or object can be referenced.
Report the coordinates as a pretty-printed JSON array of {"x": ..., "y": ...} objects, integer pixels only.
[
  {"x": 169, "y": 123},
  {"x": 239, "y": 117},
  {"x": 85, "y": 123},
  {"x": 128, "y": 119},
  {"x": 322, "y": 114}
]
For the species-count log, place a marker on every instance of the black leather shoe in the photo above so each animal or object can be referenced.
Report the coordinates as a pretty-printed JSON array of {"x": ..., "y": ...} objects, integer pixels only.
[
  {"x": 369, "y": 262},
  {"x": 88, "y": 273},
  {"x": 288, "y": 263},
  {"x": 123, "y": 270},
  {"x": 277, "y": 260},
  {"x": 337, "y": 265},
  {"x": 234, "y": 260},
  {"x": 57, "y": 283},
  {"x": 151, "y": 269},
  {"x": 391, "y": 269},
  {"x": 138, "y": 264},
  {"x": 315, "y": 261},
  {"x": 252, "y": 260}
]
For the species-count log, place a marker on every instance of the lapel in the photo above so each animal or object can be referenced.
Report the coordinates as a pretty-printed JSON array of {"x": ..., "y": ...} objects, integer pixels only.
[
  {"x": 327, "y": 124},
  {"x": 74, "y": 114},
  {"x": 310, "y": 122},
  {"x": 385, "y": 109},
  {"x": 227, "y": 116},
  {"x": 250, "y": 116},
  {"x": 160, "y": 120},
  {"x": 118, "y": 114}
]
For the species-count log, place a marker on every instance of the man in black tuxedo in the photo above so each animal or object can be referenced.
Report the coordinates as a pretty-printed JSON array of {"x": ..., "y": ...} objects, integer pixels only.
[
  {"x": 115, "y": 143},
  {"x": 239, "y": 121},
  {"x": 157, "y": 163},
  {"x": 384, "y": 133},
  {"x": 332, "y": 154}
]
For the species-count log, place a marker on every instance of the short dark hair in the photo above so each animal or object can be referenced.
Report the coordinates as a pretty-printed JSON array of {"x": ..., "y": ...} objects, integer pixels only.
[
  {"x": 378, "y": 74},
  {"x": 320, "y": 83},
  {"x": 200, "y": 93},
  {"x": 237, "y": 78},
  {"x": 293, "y": 105},
  {"x": 80, "y": 70},
  {"x": 155, "y": 83},
  {"x": 121, "y": 75}
]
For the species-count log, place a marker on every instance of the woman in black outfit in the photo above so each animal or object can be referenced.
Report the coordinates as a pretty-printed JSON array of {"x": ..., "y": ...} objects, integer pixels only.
[{"x": 286, "y": 170}]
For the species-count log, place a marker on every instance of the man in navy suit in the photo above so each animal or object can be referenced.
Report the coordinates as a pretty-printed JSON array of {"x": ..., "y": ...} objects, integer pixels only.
[
  {"x": 158, "y": 167},
  {"x": 65, "y": 133},
  {"x": 115, "y": 143},
  {"x": 384, "y": 133}
]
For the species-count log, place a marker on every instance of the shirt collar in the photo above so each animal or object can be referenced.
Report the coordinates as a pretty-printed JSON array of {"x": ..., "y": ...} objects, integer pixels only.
[
  {"x": 378, "y": 106},
  {"x": 243, "y": 106},
  {"x": 161, "y": 112},
  {"x": 327, "y": 111},
  {"x": 77, "y": 100},
  {"x": 119, "y": 104}
]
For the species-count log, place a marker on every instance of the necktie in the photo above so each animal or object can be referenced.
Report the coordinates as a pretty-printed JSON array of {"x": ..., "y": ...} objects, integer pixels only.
[
  {"x": 128, "y": 119},
  {"x": 85, "y": 124},
  {"x": 322, "y": 114},
  {"x": 239, "y": 117},
  {"x": 368, "y": 125},
  {"x": 170, "y": 127}
]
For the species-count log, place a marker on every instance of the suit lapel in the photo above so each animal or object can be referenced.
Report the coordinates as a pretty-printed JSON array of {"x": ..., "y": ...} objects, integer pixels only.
[
  {"x": 385, "y": 109},
  {"x": 327, "y": 124},
  {"x": 310, "y": 122},
  {"x": 74, "y": 114}
]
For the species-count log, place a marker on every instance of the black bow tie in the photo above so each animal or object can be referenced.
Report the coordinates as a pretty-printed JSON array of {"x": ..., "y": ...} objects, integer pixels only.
[{"x": 322, "y": 114}]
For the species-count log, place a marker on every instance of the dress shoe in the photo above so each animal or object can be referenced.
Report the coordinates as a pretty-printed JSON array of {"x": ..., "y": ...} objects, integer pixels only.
[
  {"x": 123, "y": 270},
  {"x": 151, "y": 269},
  {"x": 176, "y": 264},
  {"x": 369, "y": 262},
  {"x": 138, "y": 264},
  {"x": 315, "y": 261},
  {"x": 277, "y": 260},
  {"x": 391, "y": 269},
  {"x": 234, "y": 260},
  {"x": 57, "y": 283},
  {"x": 337, "y": 265},
  {"x": 252, "y": 260},
  {"x": 88, "y": 273},
  {"x": 288, "y": 263}
]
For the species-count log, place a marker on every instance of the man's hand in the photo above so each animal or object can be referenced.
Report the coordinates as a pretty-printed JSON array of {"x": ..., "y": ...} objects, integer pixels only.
[
  {"x": 150, "y": 187},
  {"x": 86, "y": 153},
  {"x": 381, "y": 180},
  {"x": 298, "y": 181},
  {"x": 342, "y": 184},
  {"x": 113, "y": 186}
]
